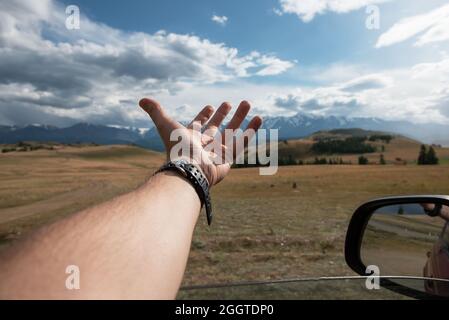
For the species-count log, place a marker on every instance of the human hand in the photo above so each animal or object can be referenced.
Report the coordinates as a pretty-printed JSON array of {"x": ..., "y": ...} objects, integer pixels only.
[
  {"x": 203, "y": 154},
  {"x": 427, "y": 206}
]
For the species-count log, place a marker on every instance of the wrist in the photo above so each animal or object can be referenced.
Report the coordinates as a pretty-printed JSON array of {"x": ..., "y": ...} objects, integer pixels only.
[
  {"x": 174, "y": 185},
  {"x": 195, "y": 178},
  {"x": 199, "y": 164}
]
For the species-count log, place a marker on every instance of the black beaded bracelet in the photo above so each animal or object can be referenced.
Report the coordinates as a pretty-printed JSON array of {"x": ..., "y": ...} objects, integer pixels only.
[{"x": 196, "y": 178}]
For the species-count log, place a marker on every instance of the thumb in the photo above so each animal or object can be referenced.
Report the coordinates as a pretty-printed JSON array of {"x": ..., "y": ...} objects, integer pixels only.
[
  {"x": 154, "y": 110},
  {"x": 163, "y": 122}
]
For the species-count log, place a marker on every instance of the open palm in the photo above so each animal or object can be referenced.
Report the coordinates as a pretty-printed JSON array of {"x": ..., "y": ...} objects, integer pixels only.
[{"x": 201, "y": 133}]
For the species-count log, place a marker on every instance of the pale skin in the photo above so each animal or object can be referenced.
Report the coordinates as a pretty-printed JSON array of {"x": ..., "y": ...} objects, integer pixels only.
[
  {"x": 134, "y": 246},
  {"x": 444, "y": 211}
]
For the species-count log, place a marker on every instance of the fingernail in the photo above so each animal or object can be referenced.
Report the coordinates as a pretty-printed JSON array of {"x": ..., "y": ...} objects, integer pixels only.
[
  {"x": 143, "y": 102},
  {"x": 146, "y": 104}
]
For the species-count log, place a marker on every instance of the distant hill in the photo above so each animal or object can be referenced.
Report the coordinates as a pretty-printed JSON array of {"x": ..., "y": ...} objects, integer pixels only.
[
  {"x": 396, "y": 149},
  {"x": 337, "y": 145}
]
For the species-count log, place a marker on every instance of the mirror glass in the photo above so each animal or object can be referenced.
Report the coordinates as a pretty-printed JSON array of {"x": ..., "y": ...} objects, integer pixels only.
[{"x": 410, "y": 240}]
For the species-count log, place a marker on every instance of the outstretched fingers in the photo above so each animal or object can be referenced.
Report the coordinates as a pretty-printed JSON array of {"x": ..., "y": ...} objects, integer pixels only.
[
  {"x": 202, "y": 117},
  {"x": 239, "y": 115},
  {"x": 247, "y": 136},
  {"x": 236, "y": 121},
  {"x": 214, "y": 123},
  {"x": 255, "y": 123}
]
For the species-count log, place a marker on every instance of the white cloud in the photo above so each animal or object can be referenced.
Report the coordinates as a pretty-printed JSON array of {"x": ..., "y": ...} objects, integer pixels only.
[
  {"x": 98, "y": 73},
  {"x": 306, "y": 10},
  {"x": 272, "y": 65},
  {"x": 417, "y": 94},
  {"x": 367, "y": 82},
  {"x": 429, "y": 27},
  {"x": 334, "y": 73},
  {"x": 278, "y": 12},
  {"x": 221, "y": 20}
]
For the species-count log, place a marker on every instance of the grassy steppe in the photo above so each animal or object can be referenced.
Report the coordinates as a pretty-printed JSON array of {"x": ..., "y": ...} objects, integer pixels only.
[{"x": 263, "y": 228}]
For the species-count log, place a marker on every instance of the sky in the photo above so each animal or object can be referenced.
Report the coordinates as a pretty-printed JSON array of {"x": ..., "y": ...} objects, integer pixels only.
[{"x": 355, "y": 58}]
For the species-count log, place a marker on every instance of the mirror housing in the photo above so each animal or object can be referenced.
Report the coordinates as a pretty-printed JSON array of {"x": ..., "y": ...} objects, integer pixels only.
[{"x": 356, "y": 231}]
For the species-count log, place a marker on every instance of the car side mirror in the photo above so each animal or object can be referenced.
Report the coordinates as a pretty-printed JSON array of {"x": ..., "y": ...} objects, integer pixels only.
[{"x": 407, "y": 240}]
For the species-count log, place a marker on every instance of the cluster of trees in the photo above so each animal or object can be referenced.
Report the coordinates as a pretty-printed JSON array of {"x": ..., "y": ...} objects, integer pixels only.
[
  {"x": 248, "y": 165},
  {"x": 427, "y": 156},
  {"x": 364, "y": 160},
  {"x": 25, "y": 146},
  {"x": 328, "y": 161},
  {"x": 288, "y": 161},
  {"x": 382, "y": 137},
  {"x": 22, "y": 146},
  {"x": 346, "y": 146},
  {"x": 291, "y": 161}
]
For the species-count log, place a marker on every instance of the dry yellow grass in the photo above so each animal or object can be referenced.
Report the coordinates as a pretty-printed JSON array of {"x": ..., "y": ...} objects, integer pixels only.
[
  {"x": 40, "y": 186},
  {"x": 263, "y": 228}
]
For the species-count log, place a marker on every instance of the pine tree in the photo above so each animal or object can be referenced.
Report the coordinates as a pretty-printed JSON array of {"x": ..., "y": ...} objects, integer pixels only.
[
  {"x": 431, "y": 156},
  {"x": 427, "y": 156},
  {"x": 422, "y": 155}
]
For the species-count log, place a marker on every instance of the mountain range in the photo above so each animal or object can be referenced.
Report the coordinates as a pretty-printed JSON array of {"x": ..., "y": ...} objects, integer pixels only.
[{"x": 297, "y": 126}]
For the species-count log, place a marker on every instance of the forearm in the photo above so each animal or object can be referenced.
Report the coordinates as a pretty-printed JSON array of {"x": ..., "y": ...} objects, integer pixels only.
[{"x": 134, "y": 246}]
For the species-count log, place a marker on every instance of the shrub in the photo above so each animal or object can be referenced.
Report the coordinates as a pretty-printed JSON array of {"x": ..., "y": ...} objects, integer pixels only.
[{"x": 363, "y": 160}]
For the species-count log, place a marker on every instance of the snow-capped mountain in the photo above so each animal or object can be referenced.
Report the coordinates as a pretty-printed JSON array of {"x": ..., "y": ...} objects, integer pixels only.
[
  {"x": 302, "y": 125},
  {"x": 81, "y": 132},
  {"x": 296, "y": 126}
]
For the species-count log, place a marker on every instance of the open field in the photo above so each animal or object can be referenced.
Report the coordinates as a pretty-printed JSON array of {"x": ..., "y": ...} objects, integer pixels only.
[
  {"x": 263, "y": 228},
  {"x": 43, "y": 185}
]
